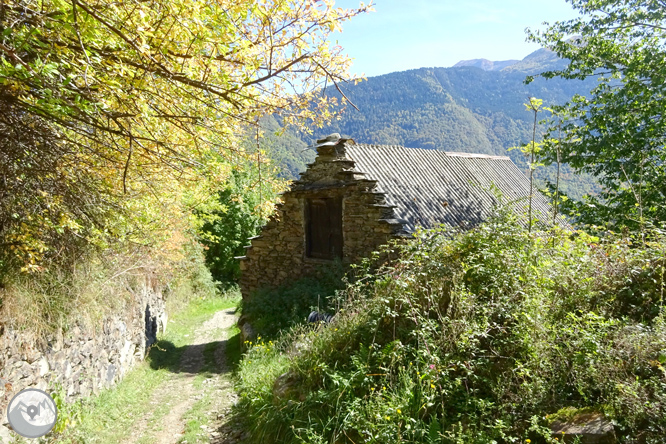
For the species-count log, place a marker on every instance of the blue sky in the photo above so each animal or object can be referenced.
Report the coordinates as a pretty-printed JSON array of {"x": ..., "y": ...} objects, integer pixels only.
[{"x": 409, "y": 34}]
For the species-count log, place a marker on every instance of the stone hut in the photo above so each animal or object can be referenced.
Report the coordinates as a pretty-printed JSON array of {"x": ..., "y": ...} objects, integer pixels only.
[{"x": 356, "y": 197}]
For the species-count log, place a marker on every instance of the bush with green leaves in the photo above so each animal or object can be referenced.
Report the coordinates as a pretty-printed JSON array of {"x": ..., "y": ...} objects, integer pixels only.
[
  {"x": 239, "y": 212},
  {"x": 474, "y": 337}
]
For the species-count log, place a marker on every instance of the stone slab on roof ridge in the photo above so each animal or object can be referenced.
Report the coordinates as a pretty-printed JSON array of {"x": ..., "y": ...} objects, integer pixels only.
[{"x": 440, "y": 152}]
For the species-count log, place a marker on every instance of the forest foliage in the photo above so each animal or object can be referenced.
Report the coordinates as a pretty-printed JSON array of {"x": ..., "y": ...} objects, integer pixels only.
[
  {"x": 119, "y": 117},
  {"x": 617, "y": 132}
]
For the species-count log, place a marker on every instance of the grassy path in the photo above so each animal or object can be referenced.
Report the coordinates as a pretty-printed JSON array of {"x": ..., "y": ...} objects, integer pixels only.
[{"x": 182, "y": 393}]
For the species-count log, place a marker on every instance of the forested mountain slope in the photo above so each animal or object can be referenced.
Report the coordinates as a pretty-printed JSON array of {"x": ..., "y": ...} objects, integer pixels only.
[
  {"x": 462, "y": 108},
  {"x": 286, "y": 148}
]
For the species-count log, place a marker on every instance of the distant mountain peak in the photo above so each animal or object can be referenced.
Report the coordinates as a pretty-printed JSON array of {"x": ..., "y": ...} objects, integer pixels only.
[
  {"x": 485, "y": 64},
  {"x": 538, "y": 61}
]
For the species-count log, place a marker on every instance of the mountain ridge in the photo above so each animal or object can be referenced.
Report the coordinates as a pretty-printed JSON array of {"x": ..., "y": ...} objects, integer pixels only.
[
  {"x": 537, "y": 61},
  {"x": 485, "y": 64}
]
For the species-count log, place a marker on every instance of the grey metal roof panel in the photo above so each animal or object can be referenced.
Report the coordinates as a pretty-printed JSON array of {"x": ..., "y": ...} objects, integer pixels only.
[{"x": 430, "y": 187}]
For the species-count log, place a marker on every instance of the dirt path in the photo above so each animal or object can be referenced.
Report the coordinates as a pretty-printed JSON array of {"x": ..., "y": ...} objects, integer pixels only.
[{"x": 165, "y": 423}]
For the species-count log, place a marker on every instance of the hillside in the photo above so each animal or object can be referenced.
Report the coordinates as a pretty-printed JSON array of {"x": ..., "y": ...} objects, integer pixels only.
[
  {"x": 463, "y": 108},
  {"x": 487, "y": 336}
]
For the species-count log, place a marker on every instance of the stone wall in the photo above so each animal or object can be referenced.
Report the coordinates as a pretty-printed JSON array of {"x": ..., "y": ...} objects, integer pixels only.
[
  {"x": 81, "y": 362},
  {"x": 277, "y": 255}
]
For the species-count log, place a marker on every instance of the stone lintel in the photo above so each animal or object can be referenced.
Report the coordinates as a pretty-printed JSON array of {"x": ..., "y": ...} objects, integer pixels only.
[
  {"x": 338, "y": 150},
  {"x": 313, "y": 187},
  {"x": 393, "y": 221},
  {"x": 314, "y": 260}
]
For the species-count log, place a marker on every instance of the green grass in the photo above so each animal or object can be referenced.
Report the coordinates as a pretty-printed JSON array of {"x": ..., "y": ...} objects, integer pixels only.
[
  {"x": 202, "y": 412},
  {"x": 199, "y": 413},
  {"x": 109, "y": 417},
  {"x": 234, "y": 353}
]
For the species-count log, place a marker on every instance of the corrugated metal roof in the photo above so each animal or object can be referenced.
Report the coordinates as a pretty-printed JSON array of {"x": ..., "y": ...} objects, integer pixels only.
[{"x": 431, "y": 187}]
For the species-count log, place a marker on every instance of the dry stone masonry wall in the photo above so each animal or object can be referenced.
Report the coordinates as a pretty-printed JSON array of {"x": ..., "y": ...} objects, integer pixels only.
[
  {"x": 277, "y": 255},
  {"x": 79, "y": 362}
]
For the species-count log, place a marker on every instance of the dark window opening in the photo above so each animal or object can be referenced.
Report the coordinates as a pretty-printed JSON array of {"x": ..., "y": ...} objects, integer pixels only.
[{"x": 323, "y": 218}]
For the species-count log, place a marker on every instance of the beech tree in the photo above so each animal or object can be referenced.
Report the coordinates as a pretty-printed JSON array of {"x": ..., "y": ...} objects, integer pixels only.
[
  {"x": 145, "y": 99},
  {"x": 618, "y": 131}
]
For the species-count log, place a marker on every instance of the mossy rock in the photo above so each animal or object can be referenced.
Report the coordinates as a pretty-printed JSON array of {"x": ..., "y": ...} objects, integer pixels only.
[{"x": 584, "y": 426}]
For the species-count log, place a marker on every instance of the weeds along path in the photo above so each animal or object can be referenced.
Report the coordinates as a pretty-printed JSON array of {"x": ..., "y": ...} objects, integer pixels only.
[{"x": 193, "y": 403}]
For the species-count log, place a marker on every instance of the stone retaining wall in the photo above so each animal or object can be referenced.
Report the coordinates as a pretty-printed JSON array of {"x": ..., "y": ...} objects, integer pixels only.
[{"x": 81, "y": 362}]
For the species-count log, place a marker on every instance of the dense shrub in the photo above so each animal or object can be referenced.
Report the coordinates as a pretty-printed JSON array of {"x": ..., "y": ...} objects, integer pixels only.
[
  {"x": 475, "y": 338},
  {"x": 242, "y": 206},
  {"x": 272, "y": 310}
]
